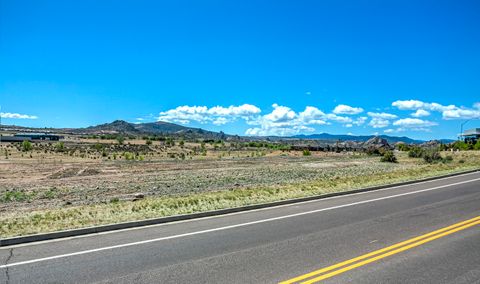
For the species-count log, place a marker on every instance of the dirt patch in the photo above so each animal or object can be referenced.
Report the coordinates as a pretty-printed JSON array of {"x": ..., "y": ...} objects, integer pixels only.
[{"x": 73, "y": 172}]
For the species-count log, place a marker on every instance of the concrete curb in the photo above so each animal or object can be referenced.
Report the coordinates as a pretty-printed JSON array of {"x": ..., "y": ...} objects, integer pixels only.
[{"x": 162, "y": 220}]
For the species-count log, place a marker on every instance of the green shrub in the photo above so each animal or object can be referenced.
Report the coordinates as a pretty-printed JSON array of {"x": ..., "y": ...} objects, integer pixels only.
[
  {"x": 59, "y": 147},
  {"x": 477, "y": 145},
  {"x": 26, "y": 146},
  {"x": 416, "y": 152},
  {"x": 432, "y": 157},
  {"x": 462, "y": 146},
  {"x": 307, "y": 152},
  {"x": 448, "y": 159},
  {"x": 403, "y": 147},
  {"x": 389, "y": 157}
]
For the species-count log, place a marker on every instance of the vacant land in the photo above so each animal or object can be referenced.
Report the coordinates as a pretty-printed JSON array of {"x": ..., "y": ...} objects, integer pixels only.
[{"x": 84, "y": 183}]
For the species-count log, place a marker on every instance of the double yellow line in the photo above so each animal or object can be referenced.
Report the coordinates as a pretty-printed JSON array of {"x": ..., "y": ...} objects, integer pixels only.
[{"x": 365, "y": 259}]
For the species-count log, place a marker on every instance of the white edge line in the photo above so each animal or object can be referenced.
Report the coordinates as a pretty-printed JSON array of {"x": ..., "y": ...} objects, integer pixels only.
[
  {"x": 233, "y": 213},
  {"x": 228, "y": 227}
]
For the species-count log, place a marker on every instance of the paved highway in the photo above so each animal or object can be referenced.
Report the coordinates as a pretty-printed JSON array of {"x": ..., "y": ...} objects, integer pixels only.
[{"x": 423, "y": 233}]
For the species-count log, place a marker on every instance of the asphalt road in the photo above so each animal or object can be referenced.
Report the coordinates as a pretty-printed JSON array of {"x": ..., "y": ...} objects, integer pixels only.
[{"x": 278, "y": 244}]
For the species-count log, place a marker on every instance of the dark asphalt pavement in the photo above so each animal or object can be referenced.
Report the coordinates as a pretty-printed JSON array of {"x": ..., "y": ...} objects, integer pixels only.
[{"x": 276, "y": 244}]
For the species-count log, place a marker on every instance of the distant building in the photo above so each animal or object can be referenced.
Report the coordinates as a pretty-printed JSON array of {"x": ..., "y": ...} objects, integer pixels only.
[
  {"x": 471, "y": 135},
  {"x": 32, "y": 137}
]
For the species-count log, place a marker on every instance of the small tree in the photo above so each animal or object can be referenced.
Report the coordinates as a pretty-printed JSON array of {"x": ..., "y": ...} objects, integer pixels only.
[
  {"x": 120, "y": 139},
  {"x": 148, "y": 142},
  {"x": 26, "y": 146}
]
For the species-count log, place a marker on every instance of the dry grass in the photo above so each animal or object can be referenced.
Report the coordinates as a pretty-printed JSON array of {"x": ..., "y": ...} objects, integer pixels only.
[{"x": 65, "y": 196}]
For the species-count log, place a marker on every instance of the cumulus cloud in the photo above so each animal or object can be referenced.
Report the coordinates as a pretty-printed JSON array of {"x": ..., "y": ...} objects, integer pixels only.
[
  {"x": 421, "y": 113},
  {"x": 17, "y": 115},
  {"x": 218, "y": 115},
  {"x": 360, "y": 121},
  {"x": 377, "y": 122},
  {"x": 280, "y": 114},
  {"x": 414, "y": 123},
  {"x": 390, "y": 130},
  {"x": 283, "y": 121},
  {"x": 461, "y": 113},
  {"x": 448, "y": 112},
  {"x": 416, "y": 104},
  {"x": 345, "y": 109},
  {"x": 382, "y": 115}
]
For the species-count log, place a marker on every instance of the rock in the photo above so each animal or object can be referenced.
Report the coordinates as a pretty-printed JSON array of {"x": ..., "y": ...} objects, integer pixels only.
[
  {"x": 139, "y": 196},
  {"x": 376, "y": 142}
]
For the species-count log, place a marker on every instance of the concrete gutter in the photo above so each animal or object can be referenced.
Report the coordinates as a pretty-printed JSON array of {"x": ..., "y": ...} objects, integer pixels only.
[{"x": 169, "y": 219}]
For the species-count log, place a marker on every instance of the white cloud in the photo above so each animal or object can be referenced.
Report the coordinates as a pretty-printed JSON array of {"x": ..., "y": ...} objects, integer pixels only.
[
  {"x": 380, "y": 119},
  {"x": 448, "y": 112},
  {"x": 283, "y": 121},
  {"x": 421, "y": 113},
  {"x": 461, "y": 113},
  {"x": 416, "y": 104},
  {"x": 17, "y": 115},
  {"x": 390, "y": 130},
  {"x": 345, "y": 109},
  {"x": 382, "y": 115},
  {"x": 360, "y": 121},
  {"x": 280, "y": 114},
  {"x": 414, "y": 123},
  {"x": 312, "y": 115},
  {"x": 377, "y": 122},
  {"x": 221, "y": 121},
  {"x": 408, "y": 105},
  {"x": 202, "y": 114},
  {"x": 337, "y": 118}
]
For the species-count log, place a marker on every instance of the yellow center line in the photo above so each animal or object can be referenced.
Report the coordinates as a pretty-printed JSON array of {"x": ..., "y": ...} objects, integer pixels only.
[{"x": 446, "y": 231}]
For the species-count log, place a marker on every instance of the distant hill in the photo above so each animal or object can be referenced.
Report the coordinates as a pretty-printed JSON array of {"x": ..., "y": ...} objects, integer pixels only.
[
  {"x": 151, "y": 128},
  {"x": 167, "y": 128},
  {"x": 362, "y": 138}
]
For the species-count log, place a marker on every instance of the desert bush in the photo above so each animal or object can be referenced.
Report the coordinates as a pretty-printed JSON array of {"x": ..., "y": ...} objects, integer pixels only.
[
  {"x": 416, "y": 152},
  {"x": 59, "y": 147},
  {"x": 26, "y": 146},
  {"x": 448, "y": 159},
  {"x": 389, "y": 157},
  {"x": 432, "y": 157},
  {"x": 403, "y": 147},
  {"x": 307, "y": 152},
  {"x": 372, "y": 151},
  {"x": 148, "y": 142}
]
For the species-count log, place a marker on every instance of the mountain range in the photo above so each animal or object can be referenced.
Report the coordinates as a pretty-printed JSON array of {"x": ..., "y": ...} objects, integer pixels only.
[{"x": 167, "y": 128}]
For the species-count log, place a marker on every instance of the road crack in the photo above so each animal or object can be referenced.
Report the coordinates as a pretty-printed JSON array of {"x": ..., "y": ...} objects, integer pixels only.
[{"x": 7, "y": 275}]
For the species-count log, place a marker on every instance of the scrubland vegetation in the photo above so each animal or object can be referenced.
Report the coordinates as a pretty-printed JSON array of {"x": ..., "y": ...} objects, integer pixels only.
[{"x": 93, "y": 180}]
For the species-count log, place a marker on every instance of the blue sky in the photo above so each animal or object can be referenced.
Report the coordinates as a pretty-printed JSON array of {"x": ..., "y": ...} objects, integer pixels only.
[{"x": 244, "y": 67}]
